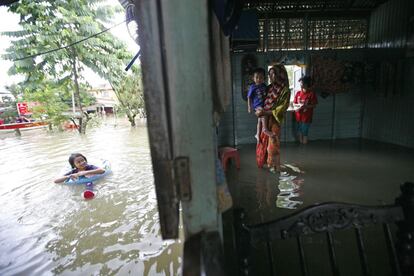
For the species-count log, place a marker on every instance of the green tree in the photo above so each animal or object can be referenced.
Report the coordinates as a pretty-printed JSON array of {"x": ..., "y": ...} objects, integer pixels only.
[
  {"x": 51, "y": 104},
  {"x": 9, "y": 108},
  {"x": 130, "y": 95},
  {"x": 54, "y": 24}
]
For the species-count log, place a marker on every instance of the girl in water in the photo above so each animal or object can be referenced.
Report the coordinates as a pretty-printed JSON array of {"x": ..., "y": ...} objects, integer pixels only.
[{"x": 80, "y": 167}]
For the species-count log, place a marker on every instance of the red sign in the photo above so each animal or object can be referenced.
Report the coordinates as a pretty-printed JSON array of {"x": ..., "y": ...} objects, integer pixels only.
[{"x": 22, "y": 108}]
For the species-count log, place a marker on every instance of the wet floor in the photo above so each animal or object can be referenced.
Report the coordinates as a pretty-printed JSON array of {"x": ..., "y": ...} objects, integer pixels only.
[
  {"x": 353, "y": 171},
  {"x": 49, "y": 229}
]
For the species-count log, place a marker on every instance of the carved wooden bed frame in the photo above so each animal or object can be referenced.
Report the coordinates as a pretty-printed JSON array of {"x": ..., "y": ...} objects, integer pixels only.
[{"x": 328, "y": 218}]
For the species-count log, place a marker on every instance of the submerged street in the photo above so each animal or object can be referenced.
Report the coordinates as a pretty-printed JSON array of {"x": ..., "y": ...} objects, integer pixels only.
[{"x": 49, "y": 229}]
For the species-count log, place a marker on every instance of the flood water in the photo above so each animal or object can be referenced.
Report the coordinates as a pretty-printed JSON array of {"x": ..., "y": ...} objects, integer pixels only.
[{"x": 49, "y": 229}]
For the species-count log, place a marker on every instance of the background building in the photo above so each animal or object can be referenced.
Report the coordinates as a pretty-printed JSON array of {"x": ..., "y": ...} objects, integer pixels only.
[{"x": 105, "y": 99}]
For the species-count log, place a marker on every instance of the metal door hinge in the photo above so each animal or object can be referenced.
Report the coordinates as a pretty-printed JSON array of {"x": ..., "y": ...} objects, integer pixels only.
[{"x": 182, "y": 178}]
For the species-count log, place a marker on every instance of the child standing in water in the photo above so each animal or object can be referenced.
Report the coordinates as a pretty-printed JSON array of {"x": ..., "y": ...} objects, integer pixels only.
[
  {"x": 255, "y": 100},
  {"x": 80, "y": 167},
  {"x": 305, "y": 101}
]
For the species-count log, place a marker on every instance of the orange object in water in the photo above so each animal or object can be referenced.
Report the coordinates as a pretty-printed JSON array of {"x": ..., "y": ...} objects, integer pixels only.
[{"x": 69, "y": 125}]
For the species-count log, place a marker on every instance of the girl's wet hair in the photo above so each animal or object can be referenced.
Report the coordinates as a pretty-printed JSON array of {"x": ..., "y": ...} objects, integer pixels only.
[{"x": 72, "y": 159}]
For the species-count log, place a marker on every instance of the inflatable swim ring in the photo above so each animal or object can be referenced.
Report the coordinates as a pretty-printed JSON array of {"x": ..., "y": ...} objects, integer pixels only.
[{"x": 82, "y": 180}]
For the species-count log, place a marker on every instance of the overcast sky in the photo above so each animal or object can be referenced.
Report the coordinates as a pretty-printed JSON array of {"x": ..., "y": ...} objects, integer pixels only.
[{"x": 9, "y": 22}]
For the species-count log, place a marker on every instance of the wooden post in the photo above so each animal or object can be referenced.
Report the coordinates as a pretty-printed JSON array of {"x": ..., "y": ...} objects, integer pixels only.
[
  {"x": 178, "y": 79},
  {"x": 17, "y": 132}
]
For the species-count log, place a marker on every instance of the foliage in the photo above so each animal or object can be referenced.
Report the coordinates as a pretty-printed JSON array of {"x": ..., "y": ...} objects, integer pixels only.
[
  {"x": 8, "y": 115},
  {"x": 51, "y": 105},
  {"x": 130, "y": 95},
  {"x": 8, "y": 111},
  {"x": 53, "y": 24}
]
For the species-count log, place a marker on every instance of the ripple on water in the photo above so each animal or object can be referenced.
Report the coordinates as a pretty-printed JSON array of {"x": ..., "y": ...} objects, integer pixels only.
[{"x": 47, "y": 228}]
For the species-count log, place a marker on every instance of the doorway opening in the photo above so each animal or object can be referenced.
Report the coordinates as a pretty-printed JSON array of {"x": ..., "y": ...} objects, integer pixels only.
[{"x": 294, "y": 72}]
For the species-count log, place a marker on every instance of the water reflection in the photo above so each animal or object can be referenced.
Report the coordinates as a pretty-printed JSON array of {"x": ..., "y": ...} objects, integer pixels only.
[
  {"x": 284, "y": 200},
  {"x": 290, "y": 188},
  {"x": 294, "y": 168},
  {"x": 264, "y": 193},
  {"x": 47, "y": 228}
]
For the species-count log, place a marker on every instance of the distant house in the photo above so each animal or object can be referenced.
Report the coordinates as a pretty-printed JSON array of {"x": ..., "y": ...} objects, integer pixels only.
[{"x": 105, "y": 99}]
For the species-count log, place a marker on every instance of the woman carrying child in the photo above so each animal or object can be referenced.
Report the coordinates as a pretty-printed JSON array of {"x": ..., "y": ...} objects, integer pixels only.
[{"x": 275, "y": 106}]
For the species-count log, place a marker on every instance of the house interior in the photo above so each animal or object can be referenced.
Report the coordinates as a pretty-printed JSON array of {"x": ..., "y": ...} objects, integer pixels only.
[{"x": 359, "y": 56}]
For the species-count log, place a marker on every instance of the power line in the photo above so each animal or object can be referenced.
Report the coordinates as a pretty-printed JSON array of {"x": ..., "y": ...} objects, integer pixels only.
[{"x": 69, "y": 45}]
